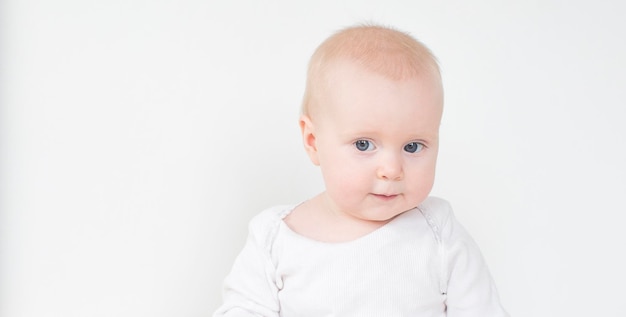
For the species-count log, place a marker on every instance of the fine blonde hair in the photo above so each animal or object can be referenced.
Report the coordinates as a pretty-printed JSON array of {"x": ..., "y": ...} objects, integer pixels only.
[{"x": 382, "y": 50}]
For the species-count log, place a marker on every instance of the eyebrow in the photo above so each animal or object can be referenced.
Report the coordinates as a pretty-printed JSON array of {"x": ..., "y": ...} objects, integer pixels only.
[{"x": 375, "y": 133}]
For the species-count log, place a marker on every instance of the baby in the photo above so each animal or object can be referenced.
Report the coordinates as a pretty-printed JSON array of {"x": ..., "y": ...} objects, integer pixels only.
[{"x": 373, "y": 243}]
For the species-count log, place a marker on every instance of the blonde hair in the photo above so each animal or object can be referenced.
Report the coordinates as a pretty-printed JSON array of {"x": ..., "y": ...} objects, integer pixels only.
[{"x": 382, "y": 50}]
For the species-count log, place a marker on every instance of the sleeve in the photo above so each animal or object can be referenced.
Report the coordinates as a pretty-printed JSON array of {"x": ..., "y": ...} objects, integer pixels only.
[
  {"x": 250, "y": 288},
  {"x": 469, "y": 287}
]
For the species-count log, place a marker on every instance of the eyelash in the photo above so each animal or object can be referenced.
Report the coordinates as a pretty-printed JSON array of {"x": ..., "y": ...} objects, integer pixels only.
[
  {"x": 360, "y": 143},
  {"x": 366, "y": 145},
  {"x": 419, "y": 147}
]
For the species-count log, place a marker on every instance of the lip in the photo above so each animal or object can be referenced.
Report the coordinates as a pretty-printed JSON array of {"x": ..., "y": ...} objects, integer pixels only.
[{"x": 385, "y": 197}]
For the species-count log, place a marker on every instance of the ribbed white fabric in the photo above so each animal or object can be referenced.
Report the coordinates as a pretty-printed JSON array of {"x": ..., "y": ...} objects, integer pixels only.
[{"x": 422, "y": 263}]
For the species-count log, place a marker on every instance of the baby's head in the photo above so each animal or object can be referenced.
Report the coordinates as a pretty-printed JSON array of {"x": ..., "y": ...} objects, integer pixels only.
[
  {"x": 370, "y": 120},
  {"x": 381, "y": 50}
]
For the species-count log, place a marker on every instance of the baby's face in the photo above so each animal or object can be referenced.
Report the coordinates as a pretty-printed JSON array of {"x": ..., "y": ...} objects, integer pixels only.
[{"x": 376, "y": 141}]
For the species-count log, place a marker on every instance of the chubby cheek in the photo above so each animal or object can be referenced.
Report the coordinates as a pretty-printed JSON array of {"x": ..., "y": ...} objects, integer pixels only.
[
  {"x": 344, "y": 178},
  {"x": 421, "y": 183}
]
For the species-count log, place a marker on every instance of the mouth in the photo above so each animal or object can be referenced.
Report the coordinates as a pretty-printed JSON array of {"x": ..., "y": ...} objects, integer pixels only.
[{"x": 385, "y": 197}]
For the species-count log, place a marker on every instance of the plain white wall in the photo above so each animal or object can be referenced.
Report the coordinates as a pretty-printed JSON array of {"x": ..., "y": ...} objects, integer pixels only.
[{"x": 139, "y": 137}]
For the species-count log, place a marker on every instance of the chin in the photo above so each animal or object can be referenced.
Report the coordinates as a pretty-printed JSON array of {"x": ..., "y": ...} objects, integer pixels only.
[{"x": 384, "y": 216}]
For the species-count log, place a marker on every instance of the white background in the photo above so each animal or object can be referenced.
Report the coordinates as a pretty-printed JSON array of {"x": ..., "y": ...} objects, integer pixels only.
[{"x": 139, "y": 137}]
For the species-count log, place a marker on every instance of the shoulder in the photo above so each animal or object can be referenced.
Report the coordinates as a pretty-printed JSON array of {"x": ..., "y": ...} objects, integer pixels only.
[
  {"x": 270, "y": 216},
  {"x": 437, "y": 212},
  {"x": 264, "y": 226}
]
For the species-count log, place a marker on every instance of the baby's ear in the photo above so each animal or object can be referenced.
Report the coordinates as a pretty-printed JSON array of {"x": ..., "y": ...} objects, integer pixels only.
[{"x": 308, "y": 138}]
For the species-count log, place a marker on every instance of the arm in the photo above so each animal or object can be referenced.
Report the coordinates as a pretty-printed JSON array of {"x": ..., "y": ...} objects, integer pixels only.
[
  {"x": 470, "y": 290},
  {"x": 250, "y": 289}
]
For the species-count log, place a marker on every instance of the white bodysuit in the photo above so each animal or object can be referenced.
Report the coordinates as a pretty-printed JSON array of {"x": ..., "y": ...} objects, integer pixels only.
[{"x": 422, "y": 263}]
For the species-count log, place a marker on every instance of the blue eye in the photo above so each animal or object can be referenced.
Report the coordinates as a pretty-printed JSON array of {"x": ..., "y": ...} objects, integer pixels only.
[
  {"x": 414, "y": 147},
  {"x": 364, "y": 145}
]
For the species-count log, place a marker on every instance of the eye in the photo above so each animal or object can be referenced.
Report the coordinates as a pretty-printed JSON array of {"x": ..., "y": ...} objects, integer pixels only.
[
  {"x": 414, "y": 147},
  {"x": 364, "y": 145}
]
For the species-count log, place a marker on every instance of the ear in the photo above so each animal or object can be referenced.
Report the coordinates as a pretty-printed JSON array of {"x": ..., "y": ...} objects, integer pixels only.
[{"x": 308, "y": 138}]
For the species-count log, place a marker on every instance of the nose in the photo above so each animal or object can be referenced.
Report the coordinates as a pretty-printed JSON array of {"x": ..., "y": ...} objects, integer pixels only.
[{"x": 390, "y": 167}]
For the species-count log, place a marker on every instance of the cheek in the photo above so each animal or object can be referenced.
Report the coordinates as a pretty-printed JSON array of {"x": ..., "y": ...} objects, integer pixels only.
[
  {"x": 341, "y": 174},
  {"x": 422, "y": 178}
]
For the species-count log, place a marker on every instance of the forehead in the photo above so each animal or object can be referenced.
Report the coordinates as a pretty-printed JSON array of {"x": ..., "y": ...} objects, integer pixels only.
[
  {"x": 352, "y": 90},
  {"x": 361, "y": 100}
]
